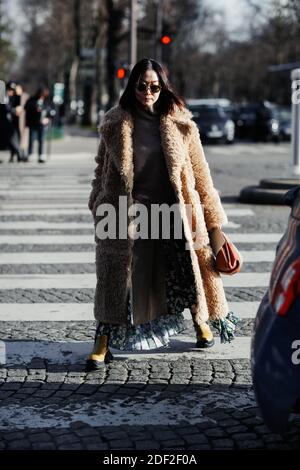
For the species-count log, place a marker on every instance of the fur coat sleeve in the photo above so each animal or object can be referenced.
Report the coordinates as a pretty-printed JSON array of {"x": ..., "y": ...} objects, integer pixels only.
[
  {"x": 213, "y": 211},
  {"x": 97, "y": 181}
]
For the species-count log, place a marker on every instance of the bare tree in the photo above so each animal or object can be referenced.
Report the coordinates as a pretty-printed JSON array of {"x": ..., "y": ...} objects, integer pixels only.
[
  {"x": 203, "y": 58},
  {"x": 7, "y": 53}
]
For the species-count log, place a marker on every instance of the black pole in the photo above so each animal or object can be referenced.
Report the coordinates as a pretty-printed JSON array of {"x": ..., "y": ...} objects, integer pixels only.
[{"x": 158, "y": 30}]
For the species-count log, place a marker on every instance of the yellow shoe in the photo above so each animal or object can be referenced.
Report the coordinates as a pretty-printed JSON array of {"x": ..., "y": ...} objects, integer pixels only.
[
  {"x": 205, "y": 338},
  {"x": 101, "y": 354}
]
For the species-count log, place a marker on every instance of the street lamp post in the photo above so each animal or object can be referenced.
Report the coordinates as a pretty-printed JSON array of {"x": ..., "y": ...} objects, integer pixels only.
[
  {"x": 295, "y": 76},
  {"x": 133, "y": 34},
  {"x": 158, "y": 30}
]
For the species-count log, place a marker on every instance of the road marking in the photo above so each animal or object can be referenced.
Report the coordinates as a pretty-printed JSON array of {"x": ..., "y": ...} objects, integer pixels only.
[
  {"x": 232, "y": 225},
  {"x": 49, "y": 166},
  {"x": 47, "y": 281},
  {"x": 46, "y": 239},
  {"x": 258, "y": 256},
  {"x": 34, "y": 207},
  {"x": 35, "y": 171},
  {"x": 43, "y": 192},
  {"x": 255, "y": 237},
  {"x": 84, "y": 311},
  {"x": 46, "y": 312},
  {"x": 243, "y": 309},
  {"x": 239, "y": 212},
  {"x": 47, "y": 178},
  {"x": 83, "y": 257},
  {"x": 42, "y": 224},
  {"x": 69, "y": 157},
  {"x": 75, "y": 239},
  {"x": 76, "y": 352},
  {"x": 51, "y": 177},
  {"x": 59, "y": 257},
  {"x": 72, "y": 205},
  {"x": 47, "y": 186},
  {"x": 88, "y": 281},
  {"x": 40, "y": 211},
  {"x": 247, "y": 280}
]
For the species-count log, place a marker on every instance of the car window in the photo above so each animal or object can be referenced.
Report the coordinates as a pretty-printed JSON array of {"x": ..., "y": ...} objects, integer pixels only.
[
  {"x": 247, "y": 113},
  {"x": 285, "y": 114},
  {"x": 207, "y": 112}
]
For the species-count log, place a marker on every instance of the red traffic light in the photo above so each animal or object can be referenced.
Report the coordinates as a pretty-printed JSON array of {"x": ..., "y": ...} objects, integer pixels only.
[
  {"x": 166, "y": 39},
  {"x": 121, "y": 73}
]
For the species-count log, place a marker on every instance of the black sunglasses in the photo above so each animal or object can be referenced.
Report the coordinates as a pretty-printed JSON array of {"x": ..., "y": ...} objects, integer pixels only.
[{"x": 141, "y": 86}]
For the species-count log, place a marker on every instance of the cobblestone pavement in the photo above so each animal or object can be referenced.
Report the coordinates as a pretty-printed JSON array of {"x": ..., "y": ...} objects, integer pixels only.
[{"x": 177, "y": 398}]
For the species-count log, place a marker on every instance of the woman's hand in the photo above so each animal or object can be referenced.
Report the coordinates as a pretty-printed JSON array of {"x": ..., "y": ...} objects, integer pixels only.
[
  {"x": 214, "y": 230},
  {"x": 217, "y": 239}
]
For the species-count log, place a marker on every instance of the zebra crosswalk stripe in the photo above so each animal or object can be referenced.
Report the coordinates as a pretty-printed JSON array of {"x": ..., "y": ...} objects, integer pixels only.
[
  {"x": 87, "y": 281},
  {"x": 45, "y": 312},
  {"x": 75, "y": 203},
  {"x": 82, "y": 257},
  {"x": 240, "y": 238},
  {"x": 22, "y": 352}
]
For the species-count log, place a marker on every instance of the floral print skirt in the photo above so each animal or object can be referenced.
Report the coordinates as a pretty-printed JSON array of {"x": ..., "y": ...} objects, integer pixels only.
[{"x": 180, "y": 294}]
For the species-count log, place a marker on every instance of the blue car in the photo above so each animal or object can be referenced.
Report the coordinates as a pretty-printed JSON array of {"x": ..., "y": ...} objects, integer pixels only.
[{"x": 275, "y": 350}]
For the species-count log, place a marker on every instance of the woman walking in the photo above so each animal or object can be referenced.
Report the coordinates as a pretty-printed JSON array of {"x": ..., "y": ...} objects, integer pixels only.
[{"x": 150, "y": 153}]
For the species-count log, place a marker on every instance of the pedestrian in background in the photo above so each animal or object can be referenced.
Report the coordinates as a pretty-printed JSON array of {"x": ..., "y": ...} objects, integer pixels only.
[
  {"x": 23, "y": 130},
  {"x": 13, "y": 111},
  {"x": 36, "y": 120},
  {"x": 261, "y": 122},
  {"x": 151, "y": 152}
]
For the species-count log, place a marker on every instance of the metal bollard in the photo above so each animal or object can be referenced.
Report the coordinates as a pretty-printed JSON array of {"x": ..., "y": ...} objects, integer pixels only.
[{"x": 295, "y": 76}]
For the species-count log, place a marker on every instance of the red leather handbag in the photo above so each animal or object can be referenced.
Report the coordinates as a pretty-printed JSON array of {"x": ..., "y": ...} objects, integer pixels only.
[{"x": 227, "y": 258}]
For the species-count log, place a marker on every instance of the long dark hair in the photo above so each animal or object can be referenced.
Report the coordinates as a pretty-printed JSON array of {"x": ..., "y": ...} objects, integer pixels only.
[{"x": 168, "y": 99}]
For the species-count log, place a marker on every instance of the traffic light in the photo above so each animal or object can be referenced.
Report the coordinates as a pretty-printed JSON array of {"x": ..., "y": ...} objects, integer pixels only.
[
  {"x": 121, "y": 73},
  {"x": 165, "y": 39}
]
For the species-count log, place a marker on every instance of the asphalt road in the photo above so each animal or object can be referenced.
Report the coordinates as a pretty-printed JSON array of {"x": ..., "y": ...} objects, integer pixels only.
[{"x": 176, "y": 398}]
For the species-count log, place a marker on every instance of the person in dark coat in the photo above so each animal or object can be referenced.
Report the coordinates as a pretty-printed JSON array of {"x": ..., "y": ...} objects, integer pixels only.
[
  {"x": 37, "y": 120},
  {"x": 9, "y": 125}
]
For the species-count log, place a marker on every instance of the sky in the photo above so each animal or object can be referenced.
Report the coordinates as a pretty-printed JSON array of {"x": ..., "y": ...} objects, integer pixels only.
[
  {"x": 13, "y": 8},
  {"x": 14, "y": 12},
  {"x": 234, "y": 11}
]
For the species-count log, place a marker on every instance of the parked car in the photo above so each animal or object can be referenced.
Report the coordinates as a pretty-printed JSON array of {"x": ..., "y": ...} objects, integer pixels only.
[
  {"x": 285, "y": 122},
  {"x": 258, "y": 122},
  {"x": 213, "y": 122},
  {"x": 224, "y": 103},
  {"x": 245, "y": 121},
  {"x": 275, "y": 348}
]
